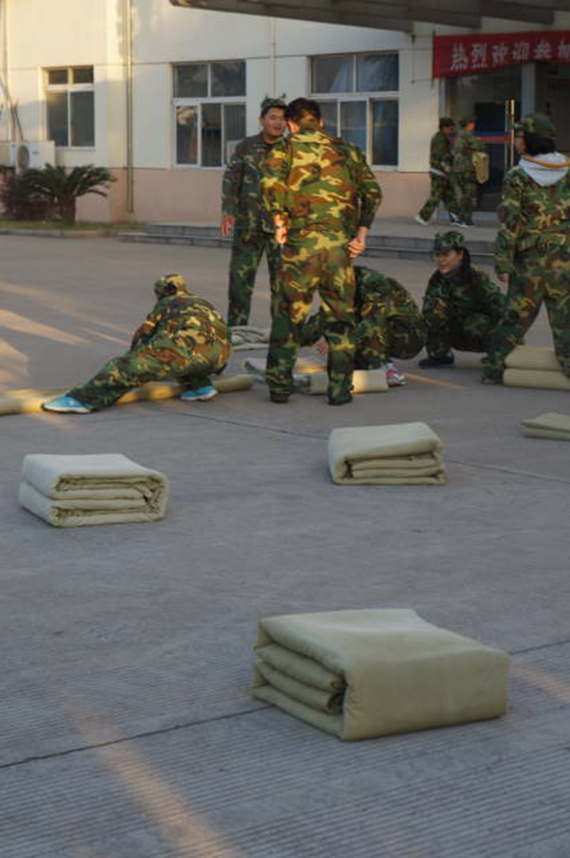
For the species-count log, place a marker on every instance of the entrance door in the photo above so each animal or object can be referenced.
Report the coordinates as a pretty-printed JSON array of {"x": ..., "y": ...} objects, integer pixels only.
[{"x": 494, "y": 123}]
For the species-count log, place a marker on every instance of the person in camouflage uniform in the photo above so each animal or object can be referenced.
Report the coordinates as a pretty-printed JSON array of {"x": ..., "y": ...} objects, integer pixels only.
[
  {"x": 464, "y": 178},
  {"x": 322, "y": 197},
  {"x": 440, "y": 165},
  {"x": 388, "y": 321},
  {"x": 532, "y": 249},
  {"x": 461, "y": 305},
  {"x": 183, "y": 338},
  {"x": 241, "y": 211}
]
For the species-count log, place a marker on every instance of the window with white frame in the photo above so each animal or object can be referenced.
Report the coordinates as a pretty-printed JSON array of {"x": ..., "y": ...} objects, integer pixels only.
[
  {"x": 209, "y": 111},
  {"x": 70, "y": 105},
  {"x": 358, "y": 97}
]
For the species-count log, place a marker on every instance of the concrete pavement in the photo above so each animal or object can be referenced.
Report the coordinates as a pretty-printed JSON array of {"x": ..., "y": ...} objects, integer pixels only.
[{"x": 127, "y": 726}]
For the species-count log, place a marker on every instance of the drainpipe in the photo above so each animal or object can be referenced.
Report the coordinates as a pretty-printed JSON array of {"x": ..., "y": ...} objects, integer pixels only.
[{"x": 129, "y": 104}]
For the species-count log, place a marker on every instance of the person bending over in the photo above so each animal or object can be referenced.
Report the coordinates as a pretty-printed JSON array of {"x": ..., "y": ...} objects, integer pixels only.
[
  {"x": 183, "y": 338},
  {"x": 461, "y": 306}
]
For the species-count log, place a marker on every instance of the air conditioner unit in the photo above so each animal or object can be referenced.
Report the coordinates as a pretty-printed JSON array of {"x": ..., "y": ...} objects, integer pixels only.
[{"x": 25, "y": 154}]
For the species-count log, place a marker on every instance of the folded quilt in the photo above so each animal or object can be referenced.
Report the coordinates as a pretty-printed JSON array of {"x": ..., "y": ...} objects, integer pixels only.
[
  {"x": 70, "y": 491},
  {"x": 400, "y": 454},
  {"x": 246, "y": 337},
  {"x": 533, "y": 357},
  {"x": 361, "y": 674},
  {"x": 30, "y": 401},
  {"x": 550, "y": 425},
  {"x": 541, "y": 379},
  {"x": 310, "y": 376}
]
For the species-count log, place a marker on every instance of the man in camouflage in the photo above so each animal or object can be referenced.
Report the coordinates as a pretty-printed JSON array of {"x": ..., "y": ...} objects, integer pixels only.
[
  {"x": 388, "y": 321},
  {"x": 440, "y": 165},
  {"x": 183, "y": 338},
  {"x": 322, "y": 197},
  {"x": 532, "y": 249},
  {"x": 461, "y": 305},
  {"x": 464, "y": 178},
  {"x": 242, "y": 212}
]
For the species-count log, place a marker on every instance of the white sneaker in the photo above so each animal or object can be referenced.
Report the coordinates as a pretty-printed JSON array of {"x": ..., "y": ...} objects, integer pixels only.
[
  {"x": 394, "y": 377},
  {"x": 419, "y": 219}
]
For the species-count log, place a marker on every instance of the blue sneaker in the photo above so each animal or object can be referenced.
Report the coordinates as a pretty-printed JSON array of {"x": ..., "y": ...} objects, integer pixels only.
[
  {"x": 65, "y": 405},
  {"x": 200, "y": 395}
]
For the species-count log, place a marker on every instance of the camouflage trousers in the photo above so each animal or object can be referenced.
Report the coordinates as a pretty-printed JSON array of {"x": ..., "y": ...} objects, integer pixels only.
[
  {"x": 150, "y": 362},
  {"x": 379, "y": 337},
  {"x": 247, "y": 251},
  {"x": 442, "y": 191},
  {"x": 466, "y": 192},
  {"x": 541, "y": 274},
  {"x": 310, "y": 261},
  {"x": 446, "y": 330}
]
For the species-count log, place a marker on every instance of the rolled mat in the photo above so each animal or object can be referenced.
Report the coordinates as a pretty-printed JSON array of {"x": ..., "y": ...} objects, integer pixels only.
[
  {"x": 550, "y": 425},
  {"x": 541, "y": 379},
  {"x": 30, "y": 401},
  {"x": 399, "y": 454},
  {"x": 533, "y": 357},
  {"x": 362, "y": 674},
  {"x": 71, "y": 491},
  {"x": 311, "y": 377}
]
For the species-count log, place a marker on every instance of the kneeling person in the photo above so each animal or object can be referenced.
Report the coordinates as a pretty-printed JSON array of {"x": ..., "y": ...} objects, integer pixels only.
[
  {"x": 461, "y": 305},
  {"x": 183, "y": 338},
  {"x": 388, "y": 324}
]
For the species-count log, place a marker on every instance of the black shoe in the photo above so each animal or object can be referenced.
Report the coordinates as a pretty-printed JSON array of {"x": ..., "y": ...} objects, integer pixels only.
[
  {"x": 340, "y": 400},
  {"x": 433, "y": 361},
  {"x": 280, "y": 396}
]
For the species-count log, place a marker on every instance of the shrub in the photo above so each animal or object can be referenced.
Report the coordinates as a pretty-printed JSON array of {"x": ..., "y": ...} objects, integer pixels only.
[
  {"x": 19, "y": 202},
  {"x": 63, "y": 188}
]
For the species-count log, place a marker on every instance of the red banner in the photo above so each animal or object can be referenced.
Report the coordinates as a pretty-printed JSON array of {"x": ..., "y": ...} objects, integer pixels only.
[{"x": 454, "y": 56}]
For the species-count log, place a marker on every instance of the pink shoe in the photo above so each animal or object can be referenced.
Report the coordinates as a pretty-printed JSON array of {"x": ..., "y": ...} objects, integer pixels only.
[{"x": 394, "y": 377}]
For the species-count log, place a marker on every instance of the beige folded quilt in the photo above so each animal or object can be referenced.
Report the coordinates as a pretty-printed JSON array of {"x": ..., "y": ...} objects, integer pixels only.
[
  {"x": 550, "y": 425},
  {"x": 246, "y": 337},
  {"x": 400, "y": 454},
  {"x": 541, "y": 379},
  {"x": 361, "y": 674},
  {"x": 30, "y": 401},
  {"x": 533, "y": 357},
  {"x": 71, "y": 491},
  {"x": 311, "y": 376}
]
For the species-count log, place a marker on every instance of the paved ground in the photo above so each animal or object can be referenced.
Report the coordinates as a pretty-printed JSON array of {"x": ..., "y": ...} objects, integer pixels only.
[{"x": 127, "y": 726}]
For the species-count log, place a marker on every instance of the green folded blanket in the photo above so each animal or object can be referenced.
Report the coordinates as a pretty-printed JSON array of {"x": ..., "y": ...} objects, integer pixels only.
[
  {"x": 71, "y": 491},
  {"x": 310, "y": 376},
  {"x": 361, "y": 674},
  {"x": 246, "y": 337},
  {"x": 400, "y": 454},
  {"x": 540, "y": 379},
  {"x": 30, "y": 401},
  {"x": 549, "y": 425}
]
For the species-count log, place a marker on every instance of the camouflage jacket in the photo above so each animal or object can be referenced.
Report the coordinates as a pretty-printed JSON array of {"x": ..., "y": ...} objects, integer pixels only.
[
  {"x": 315, "y": 181},
  {"x": 241, "y": 189},
  {"x": 531, "y": 216},
  {"x": 465, "y": 145},
  {"x": 440, "y": 153},
  {"x": 181, "y": 320},
  {"x": 462, "y": 298},
  {"x": 377, "y": 298}
]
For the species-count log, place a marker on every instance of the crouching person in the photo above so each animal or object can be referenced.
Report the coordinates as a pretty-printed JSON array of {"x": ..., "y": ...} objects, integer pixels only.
[
  {"x": 461, "y": 305},
  {"x": 183, "y": 338},
  {"x": 388, "y": 324}
]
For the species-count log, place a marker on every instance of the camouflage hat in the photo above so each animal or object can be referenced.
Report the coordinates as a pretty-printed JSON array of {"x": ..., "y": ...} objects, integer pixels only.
[
  {"x": 269, "y": 102},
  {"x": 446, "y": 121},
  {"x": 444, "y": 241},
  {"x": 465, "y": 120},
  {"x": 538, "y": 123},
  {"x": 170, "y": 284}
]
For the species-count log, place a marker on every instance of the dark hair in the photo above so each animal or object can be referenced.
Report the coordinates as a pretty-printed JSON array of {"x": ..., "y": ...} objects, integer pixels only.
[
  {"x": 273, "y": 106},
  {"x": 446, "y": 122},
  {"x": 302, "y": 109},
  {"x": 465, "y": 269},
  {"x": 537, "y": 145}
]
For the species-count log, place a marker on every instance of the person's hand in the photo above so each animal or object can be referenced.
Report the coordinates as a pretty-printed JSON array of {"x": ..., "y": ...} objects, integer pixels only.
[
  {"x": 281, "y": 235},
  {"x": 228, "y": 223},
  {"x": 358, "y": 243},
  {"x": 322, "y": 347},
  {"x": 504, "y": 278}
]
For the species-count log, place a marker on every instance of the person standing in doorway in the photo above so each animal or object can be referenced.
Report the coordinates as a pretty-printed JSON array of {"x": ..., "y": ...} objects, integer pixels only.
[
  {"x": 464, "y": 177},
  {"x": 242, "y": 211},
  {"x": 440, "y": 165}
]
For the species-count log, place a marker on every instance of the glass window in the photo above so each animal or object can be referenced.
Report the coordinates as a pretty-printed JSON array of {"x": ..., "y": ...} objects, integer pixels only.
[
  {"x": 377, "y": 72},
  {"x": 234, "y": 123},
  {"x": 57, "y": 117},
  {"x": 83, "y": 75},
  {"x": 191, "y": 81},
  {"x": 333, "y": 74},
  {"x": 353, "y": 122},
  {"x": 211, "y": 135},
  {"x": 329, "y": 115},
  {"x": 187, "y": 135},
  {"x": 385, "y": 132},
  {"x": 228, "y": 79},
  {"x": 82, "y": 118},
  {"x": 56, "y": 77}
]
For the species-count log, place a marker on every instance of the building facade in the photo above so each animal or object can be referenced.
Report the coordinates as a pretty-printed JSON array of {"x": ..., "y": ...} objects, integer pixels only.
[{"x": 160, "y": 96}]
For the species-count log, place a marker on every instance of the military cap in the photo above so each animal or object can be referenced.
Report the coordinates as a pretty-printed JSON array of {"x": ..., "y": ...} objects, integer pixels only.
[
  {"x": 170, "y": 284},
  {"x": 446, "y": 121},
  {"x": 465, "y": 120},
  {"x": 269, "y": 102},
  {"x": 538, "y": 123},
  {"x": 444, "y": 241}
]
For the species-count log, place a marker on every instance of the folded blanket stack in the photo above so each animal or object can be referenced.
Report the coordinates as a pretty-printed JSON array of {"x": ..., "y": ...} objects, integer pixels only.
[
  {"x": 400, "y": 454},
  {"x": 549, "y": 425},
  {"x": 70, "y": 491},
  {"x": 361, "y": 674},
  {"x": 310, "y": 376},
  {"x": 530, "y": 366},
  {"x": 246, "y": 337}
]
